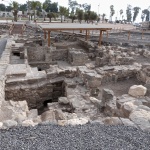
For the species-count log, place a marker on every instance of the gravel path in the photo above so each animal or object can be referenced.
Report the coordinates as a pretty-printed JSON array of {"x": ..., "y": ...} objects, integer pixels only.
[
  {"x": 86, "y": 137},
  {"x": 2, "y": 45}
]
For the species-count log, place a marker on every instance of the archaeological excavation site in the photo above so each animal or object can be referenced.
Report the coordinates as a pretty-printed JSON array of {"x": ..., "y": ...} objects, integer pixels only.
[{"x": 73, "y": 78}]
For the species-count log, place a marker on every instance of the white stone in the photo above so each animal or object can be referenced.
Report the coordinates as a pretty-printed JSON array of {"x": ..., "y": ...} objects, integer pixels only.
[
  {"x": 28, "y": 123},
  {"x": 63, "y": 100},
  {"x": 1, "y": 125},
  {"x": 137, "y": 90},
  {"x": 33, "y": 113},
  {"x": 9, "y": 123},
  {"x": 78, "y": 121},
  {"x": 141, "y": 119}
]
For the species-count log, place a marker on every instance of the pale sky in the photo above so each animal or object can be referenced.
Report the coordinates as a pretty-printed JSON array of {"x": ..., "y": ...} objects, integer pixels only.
[{"x": 104, "y": 5}]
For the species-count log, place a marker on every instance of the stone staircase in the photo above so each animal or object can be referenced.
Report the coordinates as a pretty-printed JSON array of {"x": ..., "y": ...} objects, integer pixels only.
[{"x": 17, "y": 29}]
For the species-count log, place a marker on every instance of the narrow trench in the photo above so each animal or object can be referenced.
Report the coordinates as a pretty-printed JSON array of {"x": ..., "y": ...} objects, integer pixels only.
[{"x": 57, "y": 87}]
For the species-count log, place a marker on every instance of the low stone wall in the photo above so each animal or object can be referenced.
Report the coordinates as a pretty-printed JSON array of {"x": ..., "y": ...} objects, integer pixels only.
[
  {"x": 34, "y": 92},
  {"x": 77, "y": 58},
  {"x": 60, "y": 54},
  {"x": 103, "y": 75},
  {"x": 36, "y": 54}
]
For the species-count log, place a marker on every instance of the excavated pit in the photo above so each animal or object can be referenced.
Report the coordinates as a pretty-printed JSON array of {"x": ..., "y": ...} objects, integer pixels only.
[{"x": 77, "y": 79}]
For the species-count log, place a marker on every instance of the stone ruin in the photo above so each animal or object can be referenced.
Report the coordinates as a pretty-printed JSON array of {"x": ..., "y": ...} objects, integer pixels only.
[{"x": 73, "y": 83}]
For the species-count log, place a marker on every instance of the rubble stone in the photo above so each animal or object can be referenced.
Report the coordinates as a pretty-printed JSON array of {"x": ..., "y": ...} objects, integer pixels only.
[{"x": 137, "y": 90}]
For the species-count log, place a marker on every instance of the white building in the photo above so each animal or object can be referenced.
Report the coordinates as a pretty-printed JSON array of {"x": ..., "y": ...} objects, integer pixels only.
[{"x": 6, "y": 14}]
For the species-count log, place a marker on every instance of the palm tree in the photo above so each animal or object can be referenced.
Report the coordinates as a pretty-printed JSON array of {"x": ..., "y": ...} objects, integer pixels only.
[
  {"x": 146, "y": 12},
  {"x": 44, "y": 7},
  {"x": 62, "y": 11},
  {"x": 51, "y": 15},
  {"x": 34, "y": 5},
  {"x": 136, "y": 12},
  {"x": 121, "y": 12},
  {"x": 129, "y": 13},
  {"x": 112, "y": 11},
  {"x": 15, "y": 6},
  {"x": 80, "y": 14},
  {"x": 103, "y": 16}
]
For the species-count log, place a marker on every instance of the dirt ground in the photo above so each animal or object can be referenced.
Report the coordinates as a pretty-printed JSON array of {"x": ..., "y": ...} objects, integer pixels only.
[{"x": 120, "y": 87}]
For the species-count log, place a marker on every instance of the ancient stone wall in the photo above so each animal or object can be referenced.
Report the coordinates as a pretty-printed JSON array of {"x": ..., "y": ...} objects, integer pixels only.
[
  {"x": 36, "y": 54},
  {"x": 34, "y": 92},
  {"x": 77, "y": 58},
  {"x": 61, "y": 54}
]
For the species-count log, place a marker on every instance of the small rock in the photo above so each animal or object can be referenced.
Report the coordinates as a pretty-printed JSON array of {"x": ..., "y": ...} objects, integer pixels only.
[
  {"x": 127, "y": 122},
  {"x": 59, "y": 115},
  {"x": 127, "y": 108},
  {"x": 107, "y": 95},
  {"x": 63, "y": 100},
  {"x": 28, "y": 123},
  {"x": 33, "y": 113},
  {"x": 78, "y": 121},
  {"x": 137, "y": 90},
  {"x": 9, "y": 123},
  {"x": 112, "y": 121},
  {"x": 1, "y": 125},
  {"x": 141, "y": 119},
  {"x": 48, "y": 116},
  {"x": 62, "y": 122},
  {"x": 95, "y": 101}
]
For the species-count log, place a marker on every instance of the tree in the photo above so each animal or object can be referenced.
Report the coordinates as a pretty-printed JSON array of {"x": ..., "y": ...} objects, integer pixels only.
[
  {"x": 50, "y": 15},
  {"x": 146, "y": 12},
  {"x": 103, "y": 16},
  {"x": 34, "y": 5},
  {"x": 136, "y": 12},
  {"x": 80, "y": 14},
  {"x": 142, "y": 16},
  {"x": 44, "y": 7},
  {"x": 2, "y": 7},
  {"x": 93, "y": 16},
  {"x": 72, "y": 17},
  {"x": 51, "y": 7},
  {"x": 72, "y": 5},
  {"x": 129, "y": 13},
  {"x": 86, "y": 17},
  {"x": 112, "y": 11},
  {"x": 121, "y": 12},
  {"x": 15, "y": 6},
  {"x": 23, "y": 8},
  {"x": 62, "y": 11},
  {"x": 86, "y": 7}
]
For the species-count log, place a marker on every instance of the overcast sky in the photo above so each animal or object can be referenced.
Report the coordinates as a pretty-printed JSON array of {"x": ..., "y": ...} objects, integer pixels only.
[{"x": 104, "y": 5}]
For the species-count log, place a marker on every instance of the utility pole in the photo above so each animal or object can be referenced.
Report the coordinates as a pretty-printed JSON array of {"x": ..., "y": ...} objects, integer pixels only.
[
  {"x": 98, "y": 8},
  {"x": 149, "y": 12}
]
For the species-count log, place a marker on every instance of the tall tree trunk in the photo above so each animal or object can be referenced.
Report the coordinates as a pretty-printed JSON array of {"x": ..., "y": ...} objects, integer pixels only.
[
  {"x": 61, "y": 18},
  {"x": 34, "y": 15}
]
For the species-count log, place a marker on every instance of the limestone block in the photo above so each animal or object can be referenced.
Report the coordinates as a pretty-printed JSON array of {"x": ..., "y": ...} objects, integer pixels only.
[
  {"x": 63, "y": 100},
  {"x": 48, "y": 116},
  {"x": 78, "y": 121},
  {"x": 1, "y": 125},
  {"x": 127, "y": 108},
  {"x": 112, "y": 121},
  {"x": 9, "y": 123},
  {"x": 127, "y": 122},
  {"x": 28, "y": 123},
  {"x": 137, "y": 90},
  {"x": 141, "y": 119},
  {"x": 33, "y": 113},
  {"x": 107, "y": 95},
  {"x": 59, "y": 115}
]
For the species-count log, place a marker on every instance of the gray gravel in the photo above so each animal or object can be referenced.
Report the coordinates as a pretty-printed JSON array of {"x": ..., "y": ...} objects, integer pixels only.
[
  {"x": 2, "y": 45},
  {"x": 86, "y": 137}
]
